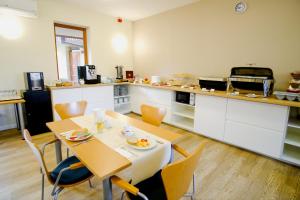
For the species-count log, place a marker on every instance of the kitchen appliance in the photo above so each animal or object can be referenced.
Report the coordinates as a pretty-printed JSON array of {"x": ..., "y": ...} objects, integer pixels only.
[
  {"x": 34, "y": 81},
  {"x": 88, "y": 74},
  {"x": 185, "y": 97},
  {"x": 129, "y": 74},
  {"x": 119, "y": 72},
  {"x": 155, "y": 79},
  {"x": 257, "y": 80},
  {"x": 213, "y": 83},
  {"x": 38, "y": 111},
  {"x": 98, "y": 78}
]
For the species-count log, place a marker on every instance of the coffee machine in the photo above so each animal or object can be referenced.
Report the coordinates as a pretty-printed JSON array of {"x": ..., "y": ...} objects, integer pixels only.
[
  {"x": 34, "y": 81},
  {"x": 88, "y": 74}
]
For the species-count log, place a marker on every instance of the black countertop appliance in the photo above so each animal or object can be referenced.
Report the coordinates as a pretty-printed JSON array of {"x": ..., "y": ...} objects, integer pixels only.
[
  {"x": 89, "y": 74},
  {"x": 34, "y": 81},
  {"x": 252, "y": 80}
]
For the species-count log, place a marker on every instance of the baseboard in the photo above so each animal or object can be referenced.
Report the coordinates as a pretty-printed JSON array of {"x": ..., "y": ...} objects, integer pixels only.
[{"x": 8, "y": 126}]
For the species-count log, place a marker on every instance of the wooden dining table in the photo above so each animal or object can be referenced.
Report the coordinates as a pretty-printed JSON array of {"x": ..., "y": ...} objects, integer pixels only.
[{"x": 99, "y": 158}]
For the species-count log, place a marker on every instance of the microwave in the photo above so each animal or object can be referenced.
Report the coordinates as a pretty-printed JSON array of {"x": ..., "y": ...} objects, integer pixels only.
[{"x": 185, "y": 97}]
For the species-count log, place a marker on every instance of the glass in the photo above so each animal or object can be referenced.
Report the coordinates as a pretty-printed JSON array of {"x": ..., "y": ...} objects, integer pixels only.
[{"x": 99, "y": 117}]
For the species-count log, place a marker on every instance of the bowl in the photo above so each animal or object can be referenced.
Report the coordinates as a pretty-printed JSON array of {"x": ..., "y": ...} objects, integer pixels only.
[
  {"x": 280, "y": 96},
  {"x": 291, "y": 97}
]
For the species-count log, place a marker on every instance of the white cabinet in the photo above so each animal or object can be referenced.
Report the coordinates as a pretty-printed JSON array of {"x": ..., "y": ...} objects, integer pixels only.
[
  {"x": 151, "y": 96},
  {"x": 96, "y": 97},
  {"x": 64, "y": 96},
  {"x": 261, "y": 140},
  {"x": 136, "y": 98},
  {"x": 259, "y": 127},
  {"x": 269, "y": 116},
  {"x": 210, "y": 114}
]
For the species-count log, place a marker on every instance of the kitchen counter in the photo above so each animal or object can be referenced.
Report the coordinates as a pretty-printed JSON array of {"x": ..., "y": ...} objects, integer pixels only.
[
  {"x": 270, "y": 100},
  {"x": 85, "y": 85}
]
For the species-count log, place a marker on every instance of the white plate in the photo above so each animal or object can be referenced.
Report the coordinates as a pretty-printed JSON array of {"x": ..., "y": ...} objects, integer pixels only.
[
  {"x": 152, "y": 145},
  {"x": 68, "y": 137}
]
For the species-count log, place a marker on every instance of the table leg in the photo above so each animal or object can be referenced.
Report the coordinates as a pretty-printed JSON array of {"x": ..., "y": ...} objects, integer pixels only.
[
  {"x": 21, "y": 118},
  {"x": 107, "y": 189},
  {"x": 17, "y": 116},
  {"x": 58, "y": 151}
]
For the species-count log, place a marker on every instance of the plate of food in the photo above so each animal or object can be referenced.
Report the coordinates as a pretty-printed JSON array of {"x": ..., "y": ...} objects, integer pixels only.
[
  {"x": 141, "y": 143},
  {"x": 78, "y": 135}
]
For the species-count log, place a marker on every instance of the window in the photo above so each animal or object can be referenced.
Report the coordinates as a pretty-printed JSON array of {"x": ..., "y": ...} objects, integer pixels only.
[{"x": 71, "y": 50}]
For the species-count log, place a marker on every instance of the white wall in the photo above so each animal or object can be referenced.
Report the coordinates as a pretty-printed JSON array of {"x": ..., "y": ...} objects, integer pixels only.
[
  {"x": 34, "y": 50},
  {"x": 208, "y": 38}
]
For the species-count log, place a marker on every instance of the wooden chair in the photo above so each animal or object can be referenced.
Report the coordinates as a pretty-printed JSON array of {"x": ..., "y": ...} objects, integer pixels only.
[
  {"x": 152, "y": 115},
  {"x": 68, "y": 110},
  {"x": 68, "y": 173},
  {"x": 170, "y": 183}
]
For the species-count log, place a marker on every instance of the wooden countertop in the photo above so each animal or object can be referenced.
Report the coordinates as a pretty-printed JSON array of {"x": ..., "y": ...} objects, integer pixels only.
[
  {"x": 98, "y": 157},
  {"x": 270, "y": 100},
  {"x": 13, "y": 101},
  {"x": 85, "y": 85}
]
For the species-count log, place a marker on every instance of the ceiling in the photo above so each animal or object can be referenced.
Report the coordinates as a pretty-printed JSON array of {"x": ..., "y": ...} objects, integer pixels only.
[{"x": 131, "y": 9}]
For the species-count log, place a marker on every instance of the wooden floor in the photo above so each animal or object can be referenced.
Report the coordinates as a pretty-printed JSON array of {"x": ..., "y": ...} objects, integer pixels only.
[{"x": 224, "y": 172}]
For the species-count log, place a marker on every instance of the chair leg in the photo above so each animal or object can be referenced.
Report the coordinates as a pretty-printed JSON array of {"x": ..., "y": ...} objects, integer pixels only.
[
  {"x": 90, "y": 184},
  {"x": 43, "y": 186},
  {"x": 123, "y": 195},
  {"x": 194, "y": 188},
  {"x": 55, "y": 193}
]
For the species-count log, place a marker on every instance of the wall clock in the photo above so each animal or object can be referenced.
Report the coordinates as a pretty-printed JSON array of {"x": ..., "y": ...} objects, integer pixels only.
[{"x": 240, "y": 7}]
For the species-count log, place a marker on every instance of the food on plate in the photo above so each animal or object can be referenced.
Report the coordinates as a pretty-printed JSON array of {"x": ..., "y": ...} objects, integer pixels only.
[
  {"x": 132, "y": 140},
  {"x": 79, "y": 134},
  {"x": 142, "y": 142}
]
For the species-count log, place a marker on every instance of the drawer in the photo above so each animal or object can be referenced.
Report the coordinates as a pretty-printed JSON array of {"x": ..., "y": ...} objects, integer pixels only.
[
  {"x": 257, "y": 139},
  {"x": 263, "y": 115}
]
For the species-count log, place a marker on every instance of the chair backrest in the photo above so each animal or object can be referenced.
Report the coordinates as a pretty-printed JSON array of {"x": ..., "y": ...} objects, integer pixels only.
[
  {"x": 152, "y": 115},
  {"x": 177, "y": 176},
  {"x": 36, "y": 151},
  {"x": 68, "y": 110}
]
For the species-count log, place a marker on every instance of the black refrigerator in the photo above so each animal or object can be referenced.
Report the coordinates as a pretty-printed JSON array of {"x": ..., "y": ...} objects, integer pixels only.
[{"x": 38, "y": 111}]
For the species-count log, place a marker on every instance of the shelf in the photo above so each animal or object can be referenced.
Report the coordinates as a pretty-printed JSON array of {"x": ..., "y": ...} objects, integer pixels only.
[
  {"x": 184, "y": 114},
  {"x": 183, "y": 104},
  {"x": 291, "y": 154},
  {"x": 183, "y": 122},
  {"x": 116, "y": 97},
  {"x": 293, "y": 136},
  {"x": 123, "y": 111},
  {"x": 293, "y": 122},
  {"x": 119, "y": 104}
]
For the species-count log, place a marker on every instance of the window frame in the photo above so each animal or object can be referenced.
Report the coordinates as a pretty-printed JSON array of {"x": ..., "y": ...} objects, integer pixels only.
[{"x": 84, "y": 42}]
